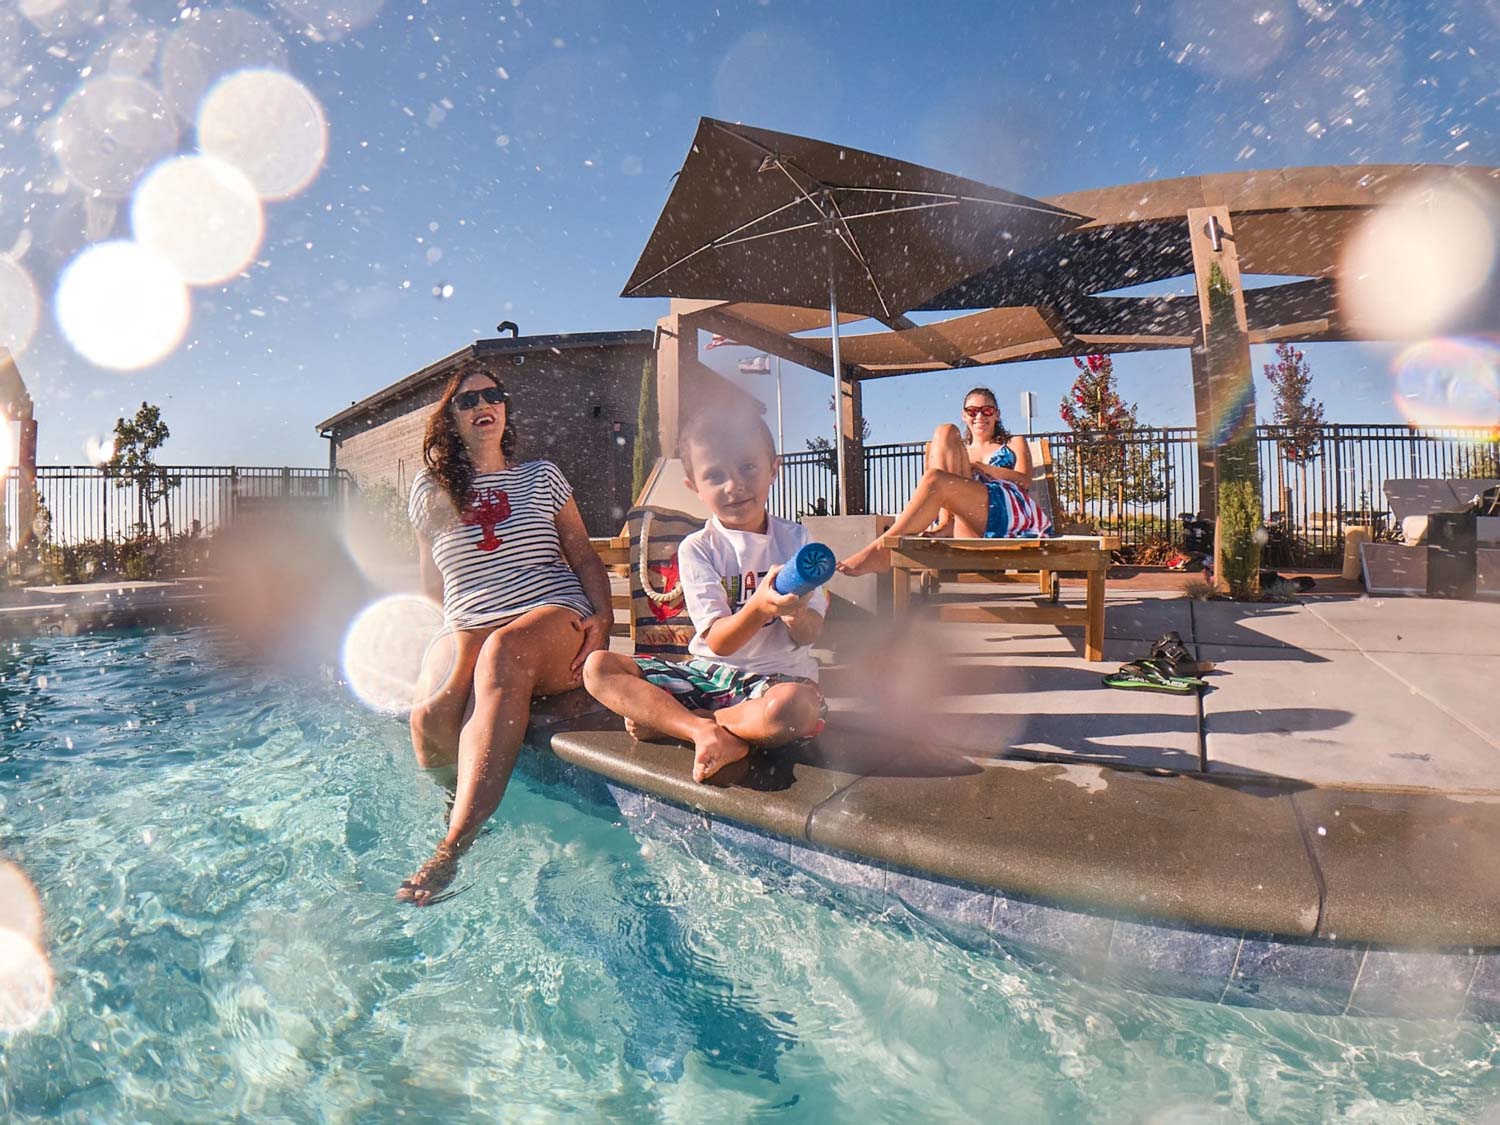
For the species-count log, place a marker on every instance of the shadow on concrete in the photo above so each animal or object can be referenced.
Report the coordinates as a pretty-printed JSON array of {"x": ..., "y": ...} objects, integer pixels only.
[
  {"x": 1227, "y": 623},
  {"x": 776, "y": 770},
  {"x": 1278, "y": 720}
]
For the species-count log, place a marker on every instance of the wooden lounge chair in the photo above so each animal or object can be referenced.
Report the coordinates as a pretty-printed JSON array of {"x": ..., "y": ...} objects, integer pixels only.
[{"x": 1000, "y": 561}]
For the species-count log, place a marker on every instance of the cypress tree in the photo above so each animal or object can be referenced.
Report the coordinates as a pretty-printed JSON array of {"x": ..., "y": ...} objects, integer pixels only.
[{"x": 647, "y": 434}]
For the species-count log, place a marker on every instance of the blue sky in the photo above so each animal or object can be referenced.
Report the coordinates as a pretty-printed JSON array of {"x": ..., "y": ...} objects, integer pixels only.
[{"x": 520, "y": 151}]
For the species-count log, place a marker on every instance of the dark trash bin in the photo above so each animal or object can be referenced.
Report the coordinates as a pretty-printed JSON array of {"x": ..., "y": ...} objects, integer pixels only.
[{"x": 1452, "y": 541}]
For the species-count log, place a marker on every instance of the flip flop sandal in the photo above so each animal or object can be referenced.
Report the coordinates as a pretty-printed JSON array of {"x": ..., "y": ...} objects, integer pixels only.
[
  {"x": 1175, "y": 659},
  {"x": 1142, "y": 675}
]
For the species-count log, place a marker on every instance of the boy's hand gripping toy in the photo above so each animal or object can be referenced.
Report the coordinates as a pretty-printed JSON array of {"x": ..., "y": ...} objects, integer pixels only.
[{"x": 809, "y": 568}]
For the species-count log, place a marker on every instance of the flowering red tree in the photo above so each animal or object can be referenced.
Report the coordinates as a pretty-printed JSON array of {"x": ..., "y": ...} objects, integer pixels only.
[
  {"x": 1115, "y": 462},
  {"x": 1299, "y": 419},
  {"x": 487, "y": 509}
]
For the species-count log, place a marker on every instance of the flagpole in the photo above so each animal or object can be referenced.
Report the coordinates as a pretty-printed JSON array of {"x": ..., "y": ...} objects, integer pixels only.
[
  {"x": 838, "y": 391},
  {"x": 780, "y": 441}
]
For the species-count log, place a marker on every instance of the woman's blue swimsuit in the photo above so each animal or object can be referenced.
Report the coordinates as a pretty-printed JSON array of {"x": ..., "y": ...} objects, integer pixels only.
[{"x": 1013, "y": 514}]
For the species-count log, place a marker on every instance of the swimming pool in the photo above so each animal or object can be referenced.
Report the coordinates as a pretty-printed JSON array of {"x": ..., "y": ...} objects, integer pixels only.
[{"x": 216, "y": 851}]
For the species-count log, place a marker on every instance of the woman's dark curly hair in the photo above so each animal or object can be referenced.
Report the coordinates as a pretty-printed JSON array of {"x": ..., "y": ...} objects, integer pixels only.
[
  {"x": 443, "y": 451},
  {"x": 1002, "y": 435}
]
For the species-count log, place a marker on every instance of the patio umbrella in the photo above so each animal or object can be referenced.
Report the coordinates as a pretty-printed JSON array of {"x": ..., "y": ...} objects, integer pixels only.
[{"x": 774, "y": 218}]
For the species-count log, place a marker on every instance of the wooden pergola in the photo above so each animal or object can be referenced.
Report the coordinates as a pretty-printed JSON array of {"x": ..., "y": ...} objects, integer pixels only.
[{"x": 1042, "y": 300}]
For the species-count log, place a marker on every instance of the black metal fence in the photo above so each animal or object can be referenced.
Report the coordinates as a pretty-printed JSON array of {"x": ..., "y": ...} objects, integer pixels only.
[
  {"x": 1139, "y": 487},
  {"x": 79, "y": 503}
]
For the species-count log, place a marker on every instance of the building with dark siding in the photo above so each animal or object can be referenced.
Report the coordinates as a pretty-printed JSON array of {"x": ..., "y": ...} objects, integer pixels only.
[{"x": 574, "y": 399}]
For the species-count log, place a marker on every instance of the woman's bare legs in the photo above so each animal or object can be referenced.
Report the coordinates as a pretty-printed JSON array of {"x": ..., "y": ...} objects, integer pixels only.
[
  {"x": 445, "y": 689},
  {"x": 529, "y": 656},
  {"x": 947, "y": 453},
  {"x": 967, "y": 498}
]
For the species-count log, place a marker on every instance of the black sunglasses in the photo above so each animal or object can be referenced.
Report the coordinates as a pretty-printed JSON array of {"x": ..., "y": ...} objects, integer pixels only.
[{"x": 468, "y": 400}]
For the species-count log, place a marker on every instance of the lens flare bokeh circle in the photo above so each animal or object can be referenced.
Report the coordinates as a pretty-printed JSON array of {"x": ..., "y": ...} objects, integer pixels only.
[
  {"x": 25, "y": 975},
  {"x": 110, "y": 131},
  {"x": 269, "y": 126},
  {"x": 25, "y": 982},
  {"x": 19, "y": 307},
  {"x": 329, "y": 20},
  {"x": 122, "y": 305},
  {"x": 1450, "y": 382},
  {"x": 1414, "y": 266},
  {"x": 209, "y": 46},
  {"x": 20, "y": 907},
  {"x": 386, "y": 648},
  {"x": 202, "y": 215}
]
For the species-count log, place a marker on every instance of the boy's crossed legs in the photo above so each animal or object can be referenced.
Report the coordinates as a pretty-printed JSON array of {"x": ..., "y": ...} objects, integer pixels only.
[{"x": 781, "y": 713}]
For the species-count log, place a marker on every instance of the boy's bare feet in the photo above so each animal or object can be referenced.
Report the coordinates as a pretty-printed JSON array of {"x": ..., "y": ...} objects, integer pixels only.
[
  {"x": 431, "y": 878},
  {"x": 641, "y": 732},
  {"x": 713, "y": 749},
  {"x": 873, "y": 559}
]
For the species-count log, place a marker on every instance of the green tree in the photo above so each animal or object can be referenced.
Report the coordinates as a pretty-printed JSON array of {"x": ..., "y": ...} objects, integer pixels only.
[
  {"x": 647, "y": 430},
  {"x": 1115, "y": 462},
  {"x": 134, "y": 463},
  {"x": 1298, "y": 418}
]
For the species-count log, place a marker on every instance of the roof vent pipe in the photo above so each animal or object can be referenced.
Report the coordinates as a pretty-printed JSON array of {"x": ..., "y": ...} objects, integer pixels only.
[{"x": 515, "y": 333}]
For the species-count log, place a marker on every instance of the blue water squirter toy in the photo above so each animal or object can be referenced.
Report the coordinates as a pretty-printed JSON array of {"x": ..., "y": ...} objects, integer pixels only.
[{"x": 809, "y": 568}]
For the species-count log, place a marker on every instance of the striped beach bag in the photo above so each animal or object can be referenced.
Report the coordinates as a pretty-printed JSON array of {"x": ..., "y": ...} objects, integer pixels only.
[{"x": 660, "y": 622}]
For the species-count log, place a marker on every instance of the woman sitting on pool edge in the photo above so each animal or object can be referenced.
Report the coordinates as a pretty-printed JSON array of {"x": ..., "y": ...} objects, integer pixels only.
[
  {"x": 504, "y": 550},
  {"x": 977, "y": 486}
]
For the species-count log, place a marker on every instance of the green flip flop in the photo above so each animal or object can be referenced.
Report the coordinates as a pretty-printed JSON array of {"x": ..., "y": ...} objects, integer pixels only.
[{"x": 1148, "y": 675}]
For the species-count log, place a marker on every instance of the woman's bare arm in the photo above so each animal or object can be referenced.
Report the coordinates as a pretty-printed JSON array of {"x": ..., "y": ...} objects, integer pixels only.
[
  {"x": 584, "y": 561},
  {"x": 431, "y": 578},
  {"x": 1020, "y": 475}
]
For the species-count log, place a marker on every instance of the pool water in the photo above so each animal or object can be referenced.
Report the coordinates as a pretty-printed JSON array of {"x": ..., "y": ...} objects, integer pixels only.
[{"x": 216, "y": 852}]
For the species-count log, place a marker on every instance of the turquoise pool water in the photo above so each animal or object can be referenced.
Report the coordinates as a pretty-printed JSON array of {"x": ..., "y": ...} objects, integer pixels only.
[{"x": 216, "y": 852}]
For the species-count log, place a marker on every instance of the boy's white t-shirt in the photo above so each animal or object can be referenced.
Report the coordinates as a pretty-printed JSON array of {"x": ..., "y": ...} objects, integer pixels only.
[{"x": 720, "y": 568}]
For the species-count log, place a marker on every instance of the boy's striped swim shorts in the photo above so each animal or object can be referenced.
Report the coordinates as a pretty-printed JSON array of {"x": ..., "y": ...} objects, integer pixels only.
[{"x": 707, "y": 685}]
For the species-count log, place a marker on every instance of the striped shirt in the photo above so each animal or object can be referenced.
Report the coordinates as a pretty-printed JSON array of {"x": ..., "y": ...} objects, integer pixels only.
[{"x": 501, "y": 557}]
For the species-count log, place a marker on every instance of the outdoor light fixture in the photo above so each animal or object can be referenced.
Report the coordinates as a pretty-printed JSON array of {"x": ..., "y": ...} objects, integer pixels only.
[{"x": 1216, "y": 234}]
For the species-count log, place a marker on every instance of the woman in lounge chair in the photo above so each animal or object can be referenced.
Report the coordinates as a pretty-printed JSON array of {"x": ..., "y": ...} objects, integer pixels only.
[
  {"x": 976, "y": 487},
  {"x": 504, "y": 550}
]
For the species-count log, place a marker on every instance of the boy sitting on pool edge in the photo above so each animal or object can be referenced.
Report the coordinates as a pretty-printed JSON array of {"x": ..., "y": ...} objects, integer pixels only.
[{"x": 751, "y": 678}]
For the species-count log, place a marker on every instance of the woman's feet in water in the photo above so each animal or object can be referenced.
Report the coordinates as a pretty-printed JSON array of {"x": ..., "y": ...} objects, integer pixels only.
[
  {"x": 873, "y": 559},
  {"x": 430, "y": 880}
]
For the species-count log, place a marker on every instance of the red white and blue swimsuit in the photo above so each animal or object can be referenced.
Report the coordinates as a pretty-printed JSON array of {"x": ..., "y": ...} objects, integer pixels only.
[{"x": 1013, "y": 513}]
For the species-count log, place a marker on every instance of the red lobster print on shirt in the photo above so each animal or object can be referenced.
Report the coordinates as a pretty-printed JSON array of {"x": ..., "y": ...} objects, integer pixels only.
[{"x": 487, "y": 508}]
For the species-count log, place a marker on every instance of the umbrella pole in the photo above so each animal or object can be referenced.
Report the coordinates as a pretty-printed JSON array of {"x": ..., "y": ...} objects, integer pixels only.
[{"x": 840, "y": 485}]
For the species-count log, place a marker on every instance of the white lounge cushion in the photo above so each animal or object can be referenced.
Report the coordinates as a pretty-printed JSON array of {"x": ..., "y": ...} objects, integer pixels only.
[{"x": 1414, "y": 530}]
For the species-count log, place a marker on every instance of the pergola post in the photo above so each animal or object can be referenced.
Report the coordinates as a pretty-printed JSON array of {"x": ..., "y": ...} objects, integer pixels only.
[
  {"x": 676, "y": 348},
  {"x": 1208, "y": 501},
  {"x": 26, "y": 481},
  {"x": 1229, "y": 438},
  {"x": 851, "y": 488}
]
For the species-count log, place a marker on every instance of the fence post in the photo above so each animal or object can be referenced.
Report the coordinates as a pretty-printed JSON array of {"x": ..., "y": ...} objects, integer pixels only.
[{"x": 1338, "y": 489}]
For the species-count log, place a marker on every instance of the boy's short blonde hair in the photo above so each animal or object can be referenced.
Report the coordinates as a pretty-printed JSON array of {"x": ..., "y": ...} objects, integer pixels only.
[{"x": 716, "y": 426}]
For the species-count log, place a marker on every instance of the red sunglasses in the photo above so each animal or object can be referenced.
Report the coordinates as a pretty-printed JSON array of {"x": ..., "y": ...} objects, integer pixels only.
[{"x": 977, "y": 411}]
